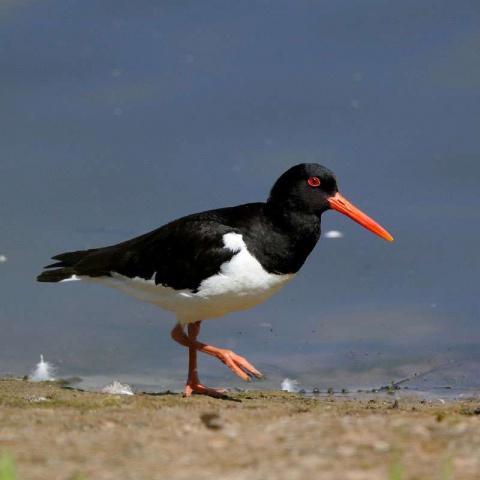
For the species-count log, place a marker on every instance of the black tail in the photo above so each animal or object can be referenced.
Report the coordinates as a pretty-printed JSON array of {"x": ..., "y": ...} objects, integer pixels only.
[
  {"x": 56, "y": 275},
  {"x": 65, "y": 268},
  {"x": 100, "y": 262}
]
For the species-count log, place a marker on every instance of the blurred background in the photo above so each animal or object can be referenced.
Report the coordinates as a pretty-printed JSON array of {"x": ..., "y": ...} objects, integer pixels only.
[{"x": 117, "y": 117}]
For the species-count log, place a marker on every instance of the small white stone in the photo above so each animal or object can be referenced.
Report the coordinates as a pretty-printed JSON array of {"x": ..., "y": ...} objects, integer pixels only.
[
  {"x": 43, "y": 372},
  {"x": 116, "y": 388},
  {"x": 289, "y": 385},
  {"x": 36, "y": 399},
  {"x": 333, "y": 234}
]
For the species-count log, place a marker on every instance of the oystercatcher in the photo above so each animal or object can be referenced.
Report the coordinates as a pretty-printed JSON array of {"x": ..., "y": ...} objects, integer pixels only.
[{"x": 212, "y": 263}]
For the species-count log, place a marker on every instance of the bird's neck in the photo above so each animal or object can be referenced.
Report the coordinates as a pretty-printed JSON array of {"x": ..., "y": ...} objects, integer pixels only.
[
  {"x": 292, "y": 237},
  {"x": 293, "y": 220}
]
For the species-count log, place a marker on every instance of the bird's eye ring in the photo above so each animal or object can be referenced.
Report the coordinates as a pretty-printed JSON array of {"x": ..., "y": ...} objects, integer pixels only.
[{"x": 314, "y": 181}]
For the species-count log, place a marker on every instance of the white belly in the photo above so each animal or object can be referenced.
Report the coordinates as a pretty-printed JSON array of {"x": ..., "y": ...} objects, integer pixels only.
[{"x": 241, "y": 283}]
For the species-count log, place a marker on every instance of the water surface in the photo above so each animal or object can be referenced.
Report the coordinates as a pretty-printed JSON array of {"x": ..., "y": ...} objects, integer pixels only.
[{"x": 120, "y": 116}]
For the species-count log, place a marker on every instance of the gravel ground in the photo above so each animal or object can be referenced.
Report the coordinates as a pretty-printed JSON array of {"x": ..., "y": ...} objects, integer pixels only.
[{"x": 51, "y": 432}]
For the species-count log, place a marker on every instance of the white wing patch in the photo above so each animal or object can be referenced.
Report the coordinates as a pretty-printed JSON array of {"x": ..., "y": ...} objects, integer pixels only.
[
  {"x": 234, "y": 242},
  {"x": 241, "y": 283},
  {"x": 242, "y": 275}
]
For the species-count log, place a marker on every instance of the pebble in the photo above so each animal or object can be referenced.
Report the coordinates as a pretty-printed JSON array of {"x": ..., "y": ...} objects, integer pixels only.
[{"x": 212, "y": 420}]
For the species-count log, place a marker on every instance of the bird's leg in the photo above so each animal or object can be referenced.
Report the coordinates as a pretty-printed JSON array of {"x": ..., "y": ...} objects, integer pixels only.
[
  {"x": 193, "y": 330},
  {"x": 237, "y": 364},
  {"x": 193, "y": 384}
]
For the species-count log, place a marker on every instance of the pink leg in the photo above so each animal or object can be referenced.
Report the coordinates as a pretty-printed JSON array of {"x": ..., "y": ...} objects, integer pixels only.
[
  {"x": 239, "y": 365},
  {"x": 193, "y": 384}
]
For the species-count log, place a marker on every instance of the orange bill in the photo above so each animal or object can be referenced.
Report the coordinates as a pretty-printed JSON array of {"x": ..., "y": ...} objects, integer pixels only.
[{"x": 342, "y": 205}]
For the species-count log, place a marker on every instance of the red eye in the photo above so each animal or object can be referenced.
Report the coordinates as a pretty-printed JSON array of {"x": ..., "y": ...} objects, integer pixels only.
[{"x": 314, "y": 181}]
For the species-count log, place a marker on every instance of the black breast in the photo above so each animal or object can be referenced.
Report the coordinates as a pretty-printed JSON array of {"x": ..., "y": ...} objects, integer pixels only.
[{"x": 280, "y": 240}]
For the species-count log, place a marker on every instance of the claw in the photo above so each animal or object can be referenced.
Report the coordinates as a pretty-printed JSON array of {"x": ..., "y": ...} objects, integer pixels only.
[{"x": 248, "y": 372}]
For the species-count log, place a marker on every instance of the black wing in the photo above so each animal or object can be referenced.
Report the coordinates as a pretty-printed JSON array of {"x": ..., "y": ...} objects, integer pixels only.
[{"x": 180, "y": 254}]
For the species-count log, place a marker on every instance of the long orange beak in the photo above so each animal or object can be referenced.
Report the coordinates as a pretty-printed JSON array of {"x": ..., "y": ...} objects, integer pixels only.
[{"x": 342, "y": 205}]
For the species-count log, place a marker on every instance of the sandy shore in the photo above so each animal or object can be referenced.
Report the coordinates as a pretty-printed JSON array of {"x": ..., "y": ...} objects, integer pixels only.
[{"x": 60, "y": 433}]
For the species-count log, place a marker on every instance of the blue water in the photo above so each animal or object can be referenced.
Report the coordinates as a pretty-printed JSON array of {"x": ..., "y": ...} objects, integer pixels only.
[{"x": 120, "y": 116}]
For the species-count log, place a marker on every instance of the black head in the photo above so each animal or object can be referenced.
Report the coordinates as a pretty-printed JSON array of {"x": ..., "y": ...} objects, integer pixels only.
[
  {"x": 311, "y": 189},
  {"x": 305, "y": 188}
]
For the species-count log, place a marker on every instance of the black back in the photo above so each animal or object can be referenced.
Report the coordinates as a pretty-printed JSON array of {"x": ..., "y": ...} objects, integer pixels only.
[{"x": 280, "y": 234}]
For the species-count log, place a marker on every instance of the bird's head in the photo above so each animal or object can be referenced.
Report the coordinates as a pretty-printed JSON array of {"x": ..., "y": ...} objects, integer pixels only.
[{"x": 312, "y": 189}]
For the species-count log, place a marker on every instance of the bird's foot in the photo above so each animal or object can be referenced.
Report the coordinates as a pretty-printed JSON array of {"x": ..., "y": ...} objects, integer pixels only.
[
  {"x": 238, "y": 365},
  {"x": 195, "y": 387}
]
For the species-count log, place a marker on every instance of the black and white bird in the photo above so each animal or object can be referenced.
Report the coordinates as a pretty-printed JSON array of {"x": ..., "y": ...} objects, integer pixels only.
[{"x": 208, "y": 264}]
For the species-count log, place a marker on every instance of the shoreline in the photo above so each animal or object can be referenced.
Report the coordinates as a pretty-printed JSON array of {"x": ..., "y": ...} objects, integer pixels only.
[{"x": 59, "y": 432}]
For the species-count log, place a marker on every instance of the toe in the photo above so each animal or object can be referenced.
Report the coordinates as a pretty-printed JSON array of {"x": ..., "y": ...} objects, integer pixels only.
[
  {"x": 247, "y": 367},
  {"x": 199, "y": 389}
]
